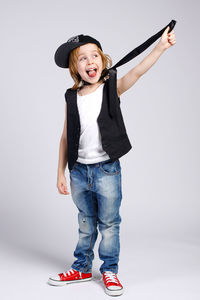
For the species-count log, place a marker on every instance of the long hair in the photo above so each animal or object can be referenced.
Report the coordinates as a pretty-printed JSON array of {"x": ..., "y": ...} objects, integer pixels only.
[{"x": 78, "y": 82}]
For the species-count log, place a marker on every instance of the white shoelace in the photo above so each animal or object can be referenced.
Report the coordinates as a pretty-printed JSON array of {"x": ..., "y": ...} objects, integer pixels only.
[
  {"x": 110, "y": 277},
  {"x": 71, "y": 271}
]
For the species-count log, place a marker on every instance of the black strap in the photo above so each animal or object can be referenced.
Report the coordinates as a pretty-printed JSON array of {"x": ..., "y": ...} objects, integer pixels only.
[
  {"x": 113, "y": 72},
  {"x": 143, "y": 46}
]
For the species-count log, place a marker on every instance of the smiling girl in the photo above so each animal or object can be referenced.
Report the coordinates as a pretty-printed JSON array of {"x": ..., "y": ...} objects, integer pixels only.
[{"x": 93, "y": 139}]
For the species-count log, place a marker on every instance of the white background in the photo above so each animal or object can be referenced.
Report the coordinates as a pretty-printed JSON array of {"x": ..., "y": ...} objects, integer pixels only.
[{"x": 160, "y": 239}]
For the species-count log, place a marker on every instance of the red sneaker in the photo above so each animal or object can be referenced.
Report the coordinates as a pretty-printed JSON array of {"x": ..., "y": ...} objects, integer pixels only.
[
  {"x": 112, "y": 285},
  {"x": 69, "y": 277}
]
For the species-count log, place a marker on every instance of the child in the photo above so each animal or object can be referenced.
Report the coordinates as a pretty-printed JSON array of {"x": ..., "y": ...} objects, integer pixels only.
[{"x": 93, "y": 139}]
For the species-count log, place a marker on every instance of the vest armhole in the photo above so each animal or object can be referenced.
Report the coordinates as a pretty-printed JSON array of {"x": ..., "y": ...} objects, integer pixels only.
[
  {"x": 118, "y": 98},
  {"x": 66, "y": 94},
  {"x": 116, "y": 94}
]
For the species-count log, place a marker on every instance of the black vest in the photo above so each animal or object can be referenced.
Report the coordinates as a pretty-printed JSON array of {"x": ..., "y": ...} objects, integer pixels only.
[{"x": 115, "y": 141}]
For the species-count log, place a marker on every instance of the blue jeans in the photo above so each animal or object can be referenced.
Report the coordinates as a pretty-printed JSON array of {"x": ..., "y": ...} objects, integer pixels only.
[{"x": 96, "y": 191}]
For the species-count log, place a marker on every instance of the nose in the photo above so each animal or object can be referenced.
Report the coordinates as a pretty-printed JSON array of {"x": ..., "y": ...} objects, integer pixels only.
[{"x": 90, "y": 60}]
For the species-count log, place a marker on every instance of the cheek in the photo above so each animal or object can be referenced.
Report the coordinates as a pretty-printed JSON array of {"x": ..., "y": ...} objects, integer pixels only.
[
  {"x": 80, "y": 68},
  {"x": 100, "y": 63}
]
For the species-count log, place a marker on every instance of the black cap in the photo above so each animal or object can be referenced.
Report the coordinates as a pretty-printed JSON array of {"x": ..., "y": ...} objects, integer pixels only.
[{"x": 62, "y": 53}]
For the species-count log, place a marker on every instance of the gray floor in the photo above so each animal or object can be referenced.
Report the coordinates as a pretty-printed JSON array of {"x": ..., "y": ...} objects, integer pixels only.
[{"x": 149, "y": 269}]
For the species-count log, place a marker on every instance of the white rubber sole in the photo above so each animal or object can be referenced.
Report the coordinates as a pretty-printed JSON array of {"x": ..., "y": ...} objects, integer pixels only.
[
  {"x": 114, "y": 292},
  {"x": 60, "y": 283}
]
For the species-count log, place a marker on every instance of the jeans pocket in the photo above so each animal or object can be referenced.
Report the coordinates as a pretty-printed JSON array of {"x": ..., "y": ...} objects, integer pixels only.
[{"x": 110, "y": 168}]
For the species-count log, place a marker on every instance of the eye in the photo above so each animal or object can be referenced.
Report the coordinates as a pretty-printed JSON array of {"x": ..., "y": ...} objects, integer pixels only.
[{"x": 82, "y": 58}]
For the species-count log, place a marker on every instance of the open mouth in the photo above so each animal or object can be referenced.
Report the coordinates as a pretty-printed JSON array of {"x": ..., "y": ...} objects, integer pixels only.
[{"x": 92, "y": 72}]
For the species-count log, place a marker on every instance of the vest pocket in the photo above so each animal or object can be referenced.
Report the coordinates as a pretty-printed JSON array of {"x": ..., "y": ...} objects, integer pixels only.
[{"x": 110, "y": 168}]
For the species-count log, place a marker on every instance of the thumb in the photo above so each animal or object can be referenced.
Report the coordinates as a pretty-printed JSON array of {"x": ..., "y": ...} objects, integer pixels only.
[{"x": 167, "y": 29}]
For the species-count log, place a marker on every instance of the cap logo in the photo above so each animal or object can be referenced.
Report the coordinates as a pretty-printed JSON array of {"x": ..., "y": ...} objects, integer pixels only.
[{"x": 74, "y": 39}]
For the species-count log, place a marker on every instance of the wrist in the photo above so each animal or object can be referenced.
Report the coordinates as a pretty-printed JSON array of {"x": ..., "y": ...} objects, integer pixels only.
[
  {"x": 160, "y": 48},
  {"x": 60, "y": 172}
]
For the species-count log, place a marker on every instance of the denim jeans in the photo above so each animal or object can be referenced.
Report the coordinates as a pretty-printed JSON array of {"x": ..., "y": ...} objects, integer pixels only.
[{"x": 96, "y": 191}]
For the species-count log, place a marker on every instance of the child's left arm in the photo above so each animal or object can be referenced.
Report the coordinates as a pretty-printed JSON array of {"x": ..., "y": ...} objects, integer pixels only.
[{"x": 127, "y": 81}]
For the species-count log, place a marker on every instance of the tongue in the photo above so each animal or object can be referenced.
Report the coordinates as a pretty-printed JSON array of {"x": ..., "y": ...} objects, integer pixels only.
[{"x": 92, "y": 73}]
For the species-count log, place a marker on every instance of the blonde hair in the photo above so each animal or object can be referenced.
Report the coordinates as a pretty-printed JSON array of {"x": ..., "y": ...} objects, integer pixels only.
[{"x": 73, "y": 57}]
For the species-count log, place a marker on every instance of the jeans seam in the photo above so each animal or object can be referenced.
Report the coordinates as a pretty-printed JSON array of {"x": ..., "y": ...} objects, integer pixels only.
[{"x": 93, "y": 234}]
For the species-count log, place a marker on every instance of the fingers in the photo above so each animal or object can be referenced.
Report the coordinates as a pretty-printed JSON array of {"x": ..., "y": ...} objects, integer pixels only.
[
  {"x": 62, "y": 188},
  {"x": 171, "y": 37},
  {"x": 65, "y": 191}
]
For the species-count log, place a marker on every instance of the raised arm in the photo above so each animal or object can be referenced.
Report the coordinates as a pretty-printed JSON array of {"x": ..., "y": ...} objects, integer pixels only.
[{"x": 129, "y": 79}]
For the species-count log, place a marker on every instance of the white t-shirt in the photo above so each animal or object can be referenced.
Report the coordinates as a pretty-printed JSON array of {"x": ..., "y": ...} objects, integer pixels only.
[{"x": 90, "y": 147}]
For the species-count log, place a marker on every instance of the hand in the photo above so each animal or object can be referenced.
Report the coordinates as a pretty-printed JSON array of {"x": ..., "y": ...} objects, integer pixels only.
[
  {"x": 61, "y": 185},
  {"x": 167, "y": 39}
]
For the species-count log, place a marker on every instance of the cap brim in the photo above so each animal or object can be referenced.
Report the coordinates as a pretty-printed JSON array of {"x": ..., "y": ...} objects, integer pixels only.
[{"x": 61, "y": 56}]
